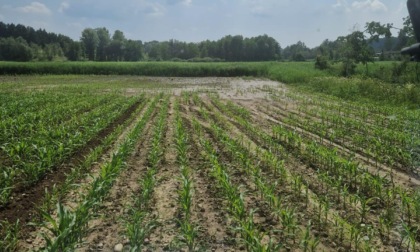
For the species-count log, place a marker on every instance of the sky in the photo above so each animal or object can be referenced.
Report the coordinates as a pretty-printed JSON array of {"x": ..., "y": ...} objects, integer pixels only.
[{"x": 288, "y": 21}]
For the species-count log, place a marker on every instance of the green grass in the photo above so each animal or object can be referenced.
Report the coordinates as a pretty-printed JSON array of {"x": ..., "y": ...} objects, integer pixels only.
[
  {"x": 386, "y": 82},
  {"x": 294, "y": 72},
  {"x": 169, "y": 69}
]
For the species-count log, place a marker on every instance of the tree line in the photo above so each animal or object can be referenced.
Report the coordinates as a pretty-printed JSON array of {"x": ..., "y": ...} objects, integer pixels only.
[
  {"x": 228, "y": 48},
  {"x": 23, "y": 43}
]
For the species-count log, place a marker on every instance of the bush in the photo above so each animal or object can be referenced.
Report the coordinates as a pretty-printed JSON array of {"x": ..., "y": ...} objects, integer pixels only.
[
  {"x": 321, "y": 62},
  {"x": 397, "y": 70},
  {"x": 348, "y": 68}
]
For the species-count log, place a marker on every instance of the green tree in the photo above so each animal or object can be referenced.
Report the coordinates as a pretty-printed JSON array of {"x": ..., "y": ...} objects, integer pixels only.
[
  {"x": 75, "y": 51},
  {"x": 377, "y": 30},
  {"x": 15, "y": 49},
  {"x": 406, "y": 35},
  {"x": 133, "y": 50},
  {"x": 117, "y": 46},
  {"x": 355, "y": 49},
  {"x": 53, "y": 51},
  {"x": 104, "y": 39},
  {"x": 191, "y": 51},
  {"x": 151, "y": 50},
  {"x": 90, "y": 42},
  {"x": 297, "y": 52}
]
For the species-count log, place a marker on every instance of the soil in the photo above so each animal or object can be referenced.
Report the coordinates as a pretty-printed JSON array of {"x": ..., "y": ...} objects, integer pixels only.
[{"x": 215, "y": 225}]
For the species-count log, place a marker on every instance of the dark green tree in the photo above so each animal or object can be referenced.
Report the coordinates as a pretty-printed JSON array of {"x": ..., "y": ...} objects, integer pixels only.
[
  {"x": 297, "y": 52},
  {"x": 75, "y": 51},
  {"x": 133, "y": 50},
  {"x": 104, "y": 39},
  {"x": 15, "y": 49},
  {"x": 355, "y": 49},
  {"x": 53, "y": 51},
  {"x": 377, "y": 30},
  {"x": 406, "y": 35},
  {"x": 90, "y": 42},
  {"x": 117, "y": 46}
]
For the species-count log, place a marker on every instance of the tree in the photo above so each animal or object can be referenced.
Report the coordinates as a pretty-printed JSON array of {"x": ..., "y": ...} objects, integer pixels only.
[
  {"x": 117, "y": 46},
  {"x": 15, "y": 49},
  {"x": 90, "y": 42},
  {"x": 75, "y": 51},
  {"x": 376, "y": 30},
  {"x": 355, "y": 49},
  {"x": 406, "y": 35},
  {"x": 53, "y": 51},
  {"x": 104, "y": 39},
  {"x": 133, "y": 50},
  {"x": 267, "y": 48},
  {"x": 297, "y": 52},
  {"x": 151, "y": 50},
  {"x": 191, "y": 51}
]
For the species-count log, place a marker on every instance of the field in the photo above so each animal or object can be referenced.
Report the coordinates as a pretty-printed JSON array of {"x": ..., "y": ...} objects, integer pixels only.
[{"x": 129, "y": 163}]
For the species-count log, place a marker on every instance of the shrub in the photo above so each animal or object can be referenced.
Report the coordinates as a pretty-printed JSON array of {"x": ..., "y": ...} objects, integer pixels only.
[{"x": 321, "y": 62}]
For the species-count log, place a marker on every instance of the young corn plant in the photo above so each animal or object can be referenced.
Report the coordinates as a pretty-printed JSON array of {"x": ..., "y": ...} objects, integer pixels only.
[
  {"x": 189, "y": 234},
  {"x": 139, "y": 224},
  {"x": 6, "y": 180},
  {"x": 409, "y": 236},
  {"x": 138, "y": 228},
  {"x": 289, "y": 223},
  {"x": 253, "y": 238},
  {"x": 63, "y": 229},
  {"x": 309, "y": 244},
  {"x": 248, "y": 231},
  {"x": 70, "y": 226},
  {"x": 9, "y": 232}
]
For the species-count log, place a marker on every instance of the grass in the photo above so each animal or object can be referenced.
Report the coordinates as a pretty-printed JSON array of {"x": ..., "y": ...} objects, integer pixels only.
[
  {"x": 169, "y": 69},
  {"x": 385, "y": 82}
]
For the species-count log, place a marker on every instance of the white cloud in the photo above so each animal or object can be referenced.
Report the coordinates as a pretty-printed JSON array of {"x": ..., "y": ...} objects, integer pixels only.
[
  {"x": 153, "y": 9},
  {"x": 371, "y": 5},
  {"x": 63, "y": 6},
  {"x": 259, "y": 11},
  {"x": 187, "y": 2},
  {"x": 35, "y": 8},
  {"x": 341, "y": 5},
  {"x": 258, "y": 7},
  {"x": 402, "y": 7},
  {"x": 183, "y": 2}
]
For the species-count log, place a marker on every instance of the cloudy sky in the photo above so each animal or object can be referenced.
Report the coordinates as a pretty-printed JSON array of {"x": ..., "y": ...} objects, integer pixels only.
[{"x": 288, "y": 21}]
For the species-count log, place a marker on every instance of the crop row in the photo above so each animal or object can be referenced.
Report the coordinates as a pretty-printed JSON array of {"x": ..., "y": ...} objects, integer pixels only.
[
  {"x": 390, "y": 144},
  {"x": 383, "y": 123},
  {"x": 70, "y": 226},
  {"x": 373, "y": 187},
  {"x": 139, "y": 223},
  {"x": 31, "y": 157},
  {"x": 13, "y": 230}
]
